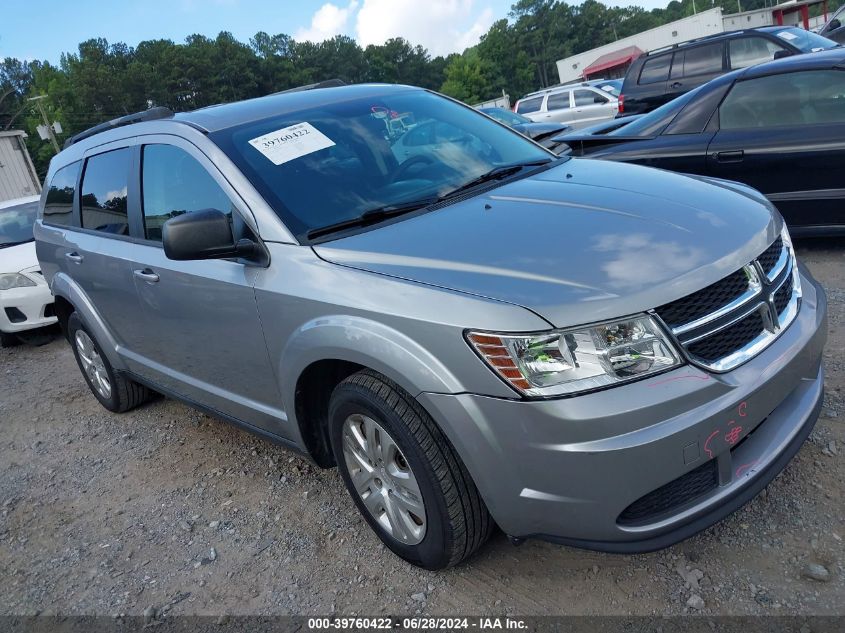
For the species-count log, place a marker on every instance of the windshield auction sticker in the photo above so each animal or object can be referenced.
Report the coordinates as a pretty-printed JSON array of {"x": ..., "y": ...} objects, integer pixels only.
[{"x": 291, "y": 142}]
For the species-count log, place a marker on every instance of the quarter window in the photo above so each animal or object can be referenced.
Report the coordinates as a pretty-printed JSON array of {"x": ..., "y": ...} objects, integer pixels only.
[
  {"x": 747, "y": 51},
  {"x": 803, "y": 98},
  {"x": 174, "y": 183},
  {"x": 559, "y": 101},
  {"x": 530, "y": 105},
  {"x": 703, "y": 60},
  {"x": 104, "y": 192},
  {"x": 58, "y": 208},
  {"x": 655, "y": 70}
]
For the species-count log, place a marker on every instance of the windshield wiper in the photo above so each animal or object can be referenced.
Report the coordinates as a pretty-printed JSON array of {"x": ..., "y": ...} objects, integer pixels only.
[
  {"x": 372, "y": 216},
  {"x": 8, "y": 244},
  {"x": 497, "y": 173}
]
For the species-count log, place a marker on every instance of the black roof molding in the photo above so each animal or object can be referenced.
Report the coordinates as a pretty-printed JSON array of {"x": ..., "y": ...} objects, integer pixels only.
[{"x": 153, "y": 114}]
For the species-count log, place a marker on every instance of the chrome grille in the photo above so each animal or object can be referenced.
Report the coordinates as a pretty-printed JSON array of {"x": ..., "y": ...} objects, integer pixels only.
[{"x": 728, "y": 322}]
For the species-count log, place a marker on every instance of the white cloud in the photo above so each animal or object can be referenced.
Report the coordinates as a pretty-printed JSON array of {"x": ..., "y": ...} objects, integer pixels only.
[
  {"x": 328, "y": 21},
  {"x": 441, "y": 26}
]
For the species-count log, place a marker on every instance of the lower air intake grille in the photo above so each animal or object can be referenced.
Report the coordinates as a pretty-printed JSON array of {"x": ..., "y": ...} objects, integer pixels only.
[{"x": 675, "y": 494}]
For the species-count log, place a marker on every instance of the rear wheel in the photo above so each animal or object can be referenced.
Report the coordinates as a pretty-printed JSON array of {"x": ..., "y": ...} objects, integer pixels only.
[
  {"x": 403, "y": 474},
  {"x": 115, "y": 392}
]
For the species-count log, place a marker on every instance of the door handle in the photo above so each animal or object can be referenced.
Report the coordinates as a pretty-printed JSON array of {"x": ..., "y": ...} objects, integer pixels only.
[
  {"x": 75, "y": 257},
  {"x": 734, "y": 156},
  {"x": 147, "y": 275},
  {"x": 675, "y": 85}
]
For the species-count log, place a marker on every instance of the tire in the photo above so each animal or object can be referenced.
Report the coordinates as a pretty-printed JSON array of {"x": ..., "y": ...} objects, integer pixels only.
[
  {"x": 8, "y": 340},
  {"x": 122, "y": 394},
  {"x": 412, "y": 449}
]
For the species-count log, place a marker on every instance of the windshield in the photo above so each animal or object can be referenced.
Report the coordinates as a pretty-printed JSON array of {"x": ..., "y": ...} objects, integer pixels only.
[
  {"x": 611, "y": 86},
  {"x": 655, "y": 122},
  {"x": 16, "y": 223},
  {"x": 506, "y": 116},
  {"x": 328, "y": 164},
  {"x": 805, "y": 41}
]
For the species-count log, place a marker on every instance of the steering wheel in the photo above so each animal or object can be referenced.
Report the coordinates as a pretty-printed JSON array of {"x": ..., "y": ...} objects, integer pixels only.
[{"x": 401, "y": 170}]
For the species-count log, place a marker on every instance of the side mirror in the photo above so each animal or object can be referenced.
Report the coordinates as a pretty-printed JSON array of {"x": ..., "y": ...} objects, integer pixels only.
[
  {"x": 833, "y": 25},
  {"x": 205, "y": 234},
  {"x": 782, "y": 53}
]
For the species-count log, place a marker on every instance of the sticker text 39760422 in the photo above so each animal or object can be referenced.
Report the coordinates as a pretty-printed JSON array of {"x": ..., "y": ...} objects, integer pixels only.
[{"x": 291, "y": 142}]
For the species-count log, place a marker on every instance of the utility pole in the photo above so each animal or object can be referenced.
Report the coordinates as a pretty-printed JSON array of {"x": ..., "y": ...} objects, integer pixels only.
[{"x": 47, "y": 125}]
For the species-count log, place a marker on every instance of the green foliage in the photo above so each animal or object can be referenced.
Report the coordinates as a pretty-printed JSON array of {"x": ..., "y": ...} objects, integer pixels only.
[{"x": 101, "y": 81}]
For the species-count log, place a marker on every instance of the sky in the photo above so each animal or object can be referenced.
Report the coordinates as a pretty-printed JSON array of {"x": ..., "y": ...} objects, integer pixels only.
[{"x": 44, "y": 29}]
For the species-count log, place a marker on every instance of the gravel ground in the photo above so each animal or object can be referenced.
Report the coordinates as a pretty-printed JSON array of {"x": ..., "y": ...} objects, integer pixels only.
[{"x": 166, "y": 511}]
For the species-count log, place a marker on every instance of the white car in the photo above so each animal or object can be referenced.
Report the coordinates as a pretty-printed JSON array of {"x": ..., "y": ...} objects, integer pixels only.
[{"x": 25, "y": 299}]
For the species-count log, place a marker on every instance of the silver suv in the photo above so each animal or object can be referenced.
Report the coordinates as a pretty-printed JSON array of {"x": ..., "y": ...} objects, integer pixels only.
[
  {"x": 480, "y": 334},
  {"x": 577, "y": 105}
]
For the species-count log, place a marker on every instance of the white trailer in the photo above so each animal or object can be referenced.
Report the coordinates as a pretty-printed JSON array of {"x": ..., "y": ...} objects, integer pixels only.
[{"x": 18, "y": 177}]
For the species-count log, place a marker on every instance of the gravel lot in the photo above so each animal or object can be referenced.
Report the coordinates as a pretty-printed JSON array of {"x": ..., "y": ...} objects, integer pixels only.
[{"x": 166, "y": 511}]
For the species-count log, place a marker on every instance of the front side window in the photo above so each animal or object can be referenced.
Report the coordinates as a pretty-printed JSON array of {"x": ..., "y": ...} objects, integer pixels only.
[
  {"x": 588, "y": 97},
  {"x": 526, "y": 106},
  {"x": 655, "y": 70},
  {"x": 703, "y": 60},
  {"x": 330, "y": 162},
  {"x": 803, "y": 98},
  {"x": 747, "y": 51},
  {"x": 16, "y": 223},
  {"x": 58, "y": 208},
  {"x": 174, "y": 183},
  {"x": 559, "y": 101},
  {"x": 104, "y": 192}
]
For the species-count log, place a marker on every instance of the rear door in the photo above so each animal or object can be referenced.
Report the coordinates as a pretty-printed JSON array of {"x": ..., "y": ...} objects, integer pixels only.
[
  {"x": 203, "y": 336},
  {"x": 591, "y": 106},
  {"x": 785, "y": 135},
  {"x": 694, "y": 66}
]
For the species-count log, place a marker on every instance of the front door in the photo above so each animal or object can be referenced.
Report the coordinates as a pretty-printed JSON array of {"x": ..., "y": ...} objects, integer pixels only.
[{"x": 203, "y": 336}]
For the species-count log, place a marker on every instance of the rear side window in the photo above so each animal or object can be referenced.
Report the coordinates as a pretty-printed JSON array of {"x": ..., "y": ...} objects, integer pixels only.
[
  {"x": 703, "y": 60},
  {"x": 104, "y": 192},
  {"x": 811, "y": 97},
  {"x": 174, "y": 183},
  {"x": 559, "y": 101},
  {"x": 588, "y": 97},
  {"x": 655, "y": 70},
  {"x": 747, "y": 51},
  {"x": 58, "y": 209},
  {"x": 530, "y": 105}
]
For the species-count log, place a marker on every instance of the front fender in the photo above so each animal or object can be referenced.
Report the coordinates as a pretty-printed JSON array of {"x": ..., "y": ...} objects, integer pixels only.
[
  {"x": 365, "y": 342},
  {"x": 66, "y": 288}
]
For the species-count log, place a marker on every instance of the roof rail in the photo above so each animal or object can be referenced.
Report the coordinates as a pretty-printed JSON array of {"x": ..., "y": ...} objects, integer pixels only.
[
  {"x": 327, "y": 83},
  {"x": 159, "y": 112},
  {"x": 704, "y": 39}
]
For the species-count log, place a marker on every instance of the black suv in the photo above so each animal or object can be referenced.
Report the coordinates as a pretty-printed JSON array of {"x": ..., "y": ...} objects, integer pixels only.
[{"x": 663, "y": 74}]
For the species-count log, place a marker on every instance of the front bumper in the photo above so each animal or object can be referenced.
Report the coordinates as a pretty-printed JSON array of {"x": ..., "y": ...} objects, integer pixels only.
[
  {"x": 26, "y": 308},
  {"x": 571, "y": 470}
]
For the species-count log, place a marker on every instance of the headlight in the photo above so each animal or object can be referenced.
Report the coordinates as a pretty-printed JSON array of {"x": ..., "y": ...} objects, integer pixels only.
[
  {"x": 568, "y": 361},
  {"x": 796, "y": 276},
  {"x": 14, "y": 280}
]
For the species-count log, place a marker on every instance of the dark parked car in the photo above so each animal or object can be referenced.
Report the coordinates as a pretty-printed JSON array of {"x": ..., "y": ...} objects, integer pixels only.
[
  {"x": 834, "y": 30},
  {"x": 540, "y": 132},
  {"x": 664, "y": 74},
  {"x": 778, "y": 127}
]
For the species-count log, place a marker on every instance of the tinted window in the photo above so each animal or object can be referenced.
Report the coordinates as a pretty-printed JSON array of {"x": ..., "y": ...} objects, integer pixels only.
[
  {"x": 16, "y": 223},
  {"x": 58, "y": 209},
  {"x": 747, "y": 51},
  {"x": 530, "y": 105},
  {"x": 559, "y": 101},
  {"x": 104, "y": 192},
  {"x": 655, "y": 70},
  {"x": 802, "y": 98},
  {"x": 173, "y": 183},
  {"x": 349, "y": 166},
  {"x": 703, "y": 60},
  {"x": 588, "y": 97}
]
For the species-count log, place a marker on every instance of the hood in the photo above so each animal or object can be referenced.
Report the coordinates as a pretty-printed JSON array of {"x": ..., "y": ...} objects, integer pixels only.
[
  {"x": 540, "y": 130},
  {"x": 584, "y": 241},
  {"x": 14, "y": 259}
]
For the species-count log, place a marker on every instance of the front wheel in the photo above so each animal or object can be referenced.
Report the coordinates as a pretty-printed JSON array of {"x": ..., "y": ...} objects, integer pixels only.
[{"x": 403, "y": 474}]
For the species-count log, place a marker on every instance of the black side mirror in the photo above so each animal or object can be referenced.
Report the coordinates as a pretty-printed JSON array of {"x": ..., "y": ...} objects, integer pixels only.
[
  {"x": 782, "y": 53},
  {"x": 833, "y": 25},
  {"x": 205, "y": 234}
]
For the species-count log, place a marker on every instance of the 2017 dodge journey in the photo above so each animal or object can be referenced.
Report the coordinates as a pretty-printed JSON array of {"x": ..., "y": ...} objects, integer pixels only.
[{"x": 476, "y": 332}]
